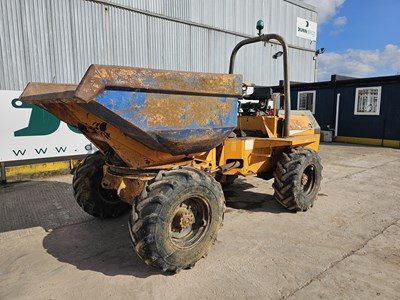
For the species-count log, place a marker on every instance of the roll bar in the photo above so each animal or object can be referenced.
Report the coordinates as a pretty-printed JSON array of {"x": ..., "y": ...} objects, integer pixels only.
[{"x": 267, "y": 38}]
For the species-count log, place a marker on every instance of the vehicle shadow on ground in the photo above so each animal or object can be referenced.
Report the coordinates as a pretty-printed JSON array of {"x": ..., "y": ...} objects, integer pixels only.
[
  {"x": 73, "y": 236},
  {"x": 104, "y": 245},
  {"x": 238, "y": 196},
  {"x": 76, "y": 238},
  {"x": 98, "y": 245}
]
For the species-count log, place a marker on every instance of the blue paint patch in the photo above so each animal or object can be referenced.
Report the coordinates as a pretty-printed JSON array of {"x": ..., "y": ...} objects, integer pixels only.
[
  {"x": 131, "y": 106},
  {"x": 125, "y": 103}
]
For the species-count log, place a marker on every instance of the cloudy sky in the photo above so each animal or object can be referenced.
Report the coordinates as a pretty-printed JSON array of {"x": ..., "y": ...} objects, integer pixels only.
[{"x": 361, "y": 37}]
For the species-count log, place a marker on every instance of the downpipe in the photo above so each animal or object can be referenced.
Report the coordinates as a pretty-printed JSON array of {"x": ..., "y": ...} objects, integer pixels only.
[{"x": 337, "y": 114}]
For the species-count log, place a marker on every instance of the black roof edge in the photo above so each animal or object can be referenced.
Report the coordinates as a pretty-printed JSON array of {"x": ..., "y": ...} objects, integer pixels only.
[{"x": 337, "y": 80}]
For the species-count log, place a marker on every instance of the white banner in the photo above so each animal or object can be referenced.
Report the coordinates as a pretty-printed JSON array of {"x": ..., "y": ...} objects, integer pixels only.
[
  {"x": 29, "y": 132},
  {"x": 306, "y": 29}
]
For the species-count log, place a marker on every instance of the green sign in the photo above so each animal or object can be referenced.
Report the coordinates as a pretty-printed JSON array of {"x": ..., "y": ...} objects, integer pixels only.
[{"x": 41, "y": 122}]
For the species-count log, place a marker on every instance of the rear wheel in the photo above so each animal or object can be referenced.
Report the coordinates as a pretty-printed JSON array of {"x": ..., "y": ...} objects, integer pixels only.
[
  {"x": 176, "y": 218},
  {"x": 298, "y": 178},
  {"x": 90, "y": 195}
]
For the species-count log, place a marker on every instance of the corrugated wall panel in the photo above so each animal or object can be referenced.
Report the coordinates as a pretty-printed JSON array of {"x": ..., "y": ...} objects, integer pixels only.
[
  {"x": 13, "y": 60},
  {"x": 56, "y": 40},
  {"x": 233, "y": 15},
  {"x": 61, "y": 49}
]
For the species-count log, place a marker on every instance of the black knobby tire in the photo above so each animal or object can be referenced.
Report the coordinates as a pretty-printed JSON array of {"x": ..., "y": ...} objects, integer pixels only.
[
  {"x": 176, "y": 218},
  {"x": 298, "y": 178},
  {"x": 90, "y": 195}
]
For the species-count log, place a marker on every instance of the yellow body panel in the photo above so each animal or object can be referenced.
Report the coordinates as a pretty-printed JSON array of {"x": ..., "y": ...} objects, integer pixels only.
[
  {"x": 268, "y": 125},
  {"x": 259, "y": 155}
]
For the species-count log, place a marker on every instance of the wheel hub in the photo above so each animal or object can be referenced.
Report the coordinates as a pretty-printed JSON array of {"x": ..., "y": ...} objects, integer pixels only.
[
  {"x": 304, "y": 179},
  {"x": 189, "y": 222},
  {"x": 183, "y": 219}
]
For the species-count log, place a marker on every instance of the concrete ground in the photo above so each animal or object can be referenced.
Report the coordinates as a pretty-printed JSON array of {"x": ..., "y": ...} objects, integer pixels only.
[{"x": 346, "y": 247}]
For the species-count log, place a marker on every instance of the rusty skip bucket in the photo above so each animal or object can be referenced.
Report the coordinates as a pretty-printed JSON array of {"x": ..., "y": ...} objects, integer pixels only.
[{"x": 146, "y": 116}]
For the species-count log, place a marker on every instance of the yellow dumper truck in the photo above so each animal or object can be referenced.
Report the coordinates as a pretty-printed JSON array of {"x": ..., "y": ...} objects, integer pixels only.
[{"x": 167, "y": 143}]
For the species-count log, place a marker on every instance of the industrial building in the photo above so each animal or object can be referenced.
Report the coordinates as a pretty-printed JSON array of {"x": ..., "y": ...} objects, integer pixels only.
[{"x": 56, "y": 40}]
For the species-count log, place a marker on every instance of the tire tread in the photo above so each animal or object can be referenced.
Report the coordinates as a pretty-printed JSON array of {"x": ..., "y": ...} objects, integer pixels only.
[
  {"x": 142, "y": 227},
  {"x": 287, "y": 176}
]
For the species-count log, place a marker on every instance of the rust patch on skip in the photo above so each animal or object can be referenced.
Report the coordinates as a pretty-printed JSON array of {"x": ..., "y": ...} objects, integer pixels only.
[
  {"x": 37, "y": 93},
  {"x": 99, "y": 77},
  {"x": 183, "y": 111}
]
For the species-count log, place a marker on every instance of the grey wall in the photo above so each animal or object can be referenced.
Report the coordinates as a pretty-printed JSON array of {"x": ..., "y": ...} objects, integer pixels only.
[{"x": 56, "y": 40}]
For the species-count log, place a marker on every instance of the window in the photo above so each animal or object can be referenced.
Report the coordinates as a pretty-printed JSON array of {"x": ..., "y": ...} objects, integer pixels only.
[
  {"x": 306, "y": 101},
  {"x": 368, "y": 101}
]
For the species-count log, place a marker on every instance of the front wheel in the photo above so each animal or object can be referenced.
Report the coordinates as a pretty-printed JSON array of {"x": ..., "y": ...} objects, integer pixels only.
[
  {"x": 297, "y": 179},
  {"x": 176, "y": 218}
]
